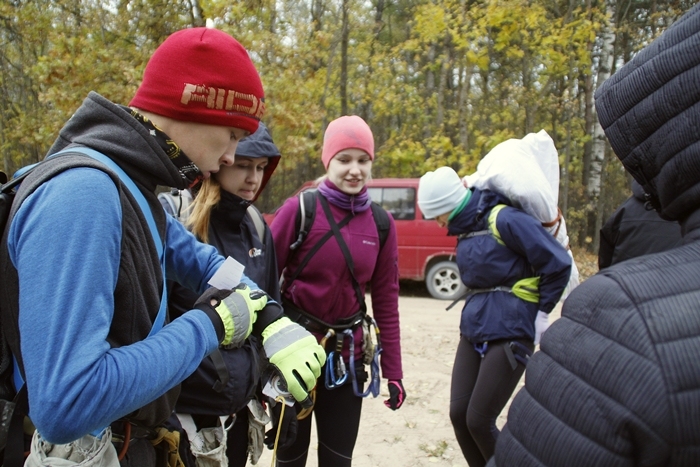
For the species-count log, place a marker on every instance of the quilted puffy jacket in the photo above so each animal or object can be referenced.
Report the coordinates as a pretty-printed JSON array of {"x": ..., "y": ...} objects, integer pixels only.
[{"x": 617, "y": 380}]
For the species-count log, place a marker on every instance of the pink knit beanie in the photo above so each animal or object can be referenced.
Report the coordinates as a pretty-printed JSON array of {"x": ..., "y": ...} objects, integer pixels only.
[
  {"x": 202, "y": 75},
  {"x": 349, "y": 132}
]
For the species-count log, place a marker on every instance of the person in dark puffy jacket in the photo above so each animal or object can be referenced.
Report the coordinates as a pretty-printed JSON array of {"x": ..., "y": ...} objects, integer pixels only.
[
  {"x": 635, "y": 229},
  {"x": 515, "y": 272},
  {"x": 617, "y": 380}
]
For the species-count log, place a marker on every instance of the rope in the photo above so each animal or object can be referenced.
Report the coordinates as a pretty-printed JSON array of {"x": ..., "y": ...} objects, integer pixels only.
[
  {"x": 306, "y": 412},
  {"x": 280, "y": 400},
  {"x": 127, "y": 439}
]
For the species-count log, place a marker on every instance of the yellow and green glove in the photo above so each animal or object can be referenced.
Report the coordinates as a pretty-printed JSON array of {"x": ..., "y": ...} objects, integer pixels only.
[
  {"x": 237, "y": 309},
  {"x": 296, "y": 354}
]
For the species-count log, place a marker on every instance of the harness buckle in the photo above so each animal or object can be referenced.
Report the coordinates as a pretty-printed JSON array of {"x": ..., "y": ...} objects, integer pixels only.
[{"x": 481, "y": 348}]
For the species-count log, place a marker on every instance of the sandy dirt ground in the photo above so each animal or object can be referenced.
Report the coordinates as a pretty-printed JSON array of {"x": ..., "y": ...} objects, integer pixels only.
[{"x": 420, "y": 433}]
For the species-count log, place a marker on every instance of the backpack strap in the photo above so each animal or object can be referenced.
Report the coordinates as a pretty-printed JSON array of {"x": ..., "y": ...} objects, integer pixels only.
[
  {"x": 526, "y": 289},
  {"x": 258, "y": 221},
  {"x": 381, "y": 218},
  {"x": 176, "y": 203},
  {"x": 305, "y": 216},
  {"x": 148, "y": 214},
  {"x": 335, "y": 229},
  {"x": 492, "y": 227},
  {"x": 323, "y": 239}
]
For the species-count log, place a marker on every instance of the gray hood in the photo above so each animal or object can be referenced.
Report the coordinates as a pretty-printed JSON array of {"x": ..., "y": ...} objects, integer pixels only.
[{"x": 110, "y": 129}]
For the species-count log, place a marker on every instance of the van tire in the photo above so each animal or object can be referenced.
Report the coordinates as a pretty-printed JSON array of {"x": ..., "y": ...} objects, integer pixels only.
[{"x": 443, "y": 281}]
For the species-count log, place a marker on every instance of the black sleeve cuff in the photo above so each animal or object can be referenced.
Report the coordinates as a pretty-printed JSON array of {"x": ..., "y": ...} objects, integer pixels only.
[
  {"x": 268, "y": 315},
  {"x": 214, "y": 317}
]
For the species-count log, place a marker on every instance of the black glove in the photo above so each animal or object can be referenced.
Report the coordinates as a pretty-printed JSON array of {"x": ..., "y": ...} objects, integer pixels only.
[
  {"x": 268, "y": 315},
  {"x": 287, "y": 427},
  {"x": 397, "y": 394}
]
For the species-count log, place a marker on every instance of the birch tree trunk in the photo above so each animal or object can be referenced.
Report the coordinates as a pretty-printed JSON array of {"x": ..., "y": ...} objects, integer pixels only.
[
  {"x": 344, "y": 41},
  {"x": 598, "y": 142}
]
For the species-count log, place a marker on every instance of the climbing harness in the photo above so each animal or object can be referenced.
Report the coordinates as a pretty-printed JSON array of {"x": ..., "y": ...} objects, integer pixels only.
[
  {"x": 515, "y": 352},
  {"x": 336, "y": 369},
  {"x": 481, "y": 348}
]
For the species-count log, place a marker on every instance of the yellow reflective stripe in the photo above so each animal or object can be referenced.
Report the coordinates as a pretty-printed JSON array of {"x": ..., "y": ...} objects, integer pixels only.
[
  {"x": 492, "y": 222},
  {"x": 528, "y": 289},
  {"x": 227, "y": 319}
]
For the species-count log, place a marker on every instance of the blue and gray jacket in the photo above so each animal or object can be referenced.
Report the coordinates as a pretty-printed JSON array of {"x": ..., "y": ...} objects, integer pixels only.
[{"x": 525, "y": 250}]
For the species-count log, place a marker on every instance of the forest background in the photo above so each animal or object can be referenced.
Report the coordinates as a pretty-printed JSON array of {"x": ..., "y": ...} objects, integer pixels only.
[{"x": 440, "y": 82}]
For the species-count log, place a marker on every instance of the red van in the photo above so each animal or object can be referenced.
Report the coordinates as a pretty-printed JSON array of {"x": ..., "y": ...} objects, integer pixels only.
[{"x": 426, "y": 253}]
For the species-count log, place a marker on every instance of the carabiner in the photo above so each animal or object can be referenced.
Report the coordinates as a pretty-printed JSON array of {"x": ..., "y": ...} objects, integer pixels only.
[{"x": 336, "y": 373}]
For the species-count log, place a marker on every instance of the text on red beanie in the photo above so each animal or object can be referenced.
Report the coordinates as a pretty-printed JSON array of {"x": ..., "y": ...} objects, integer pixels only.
[
  {"x": 202, "y": 75},
  {"x": 348, "y": 132}
]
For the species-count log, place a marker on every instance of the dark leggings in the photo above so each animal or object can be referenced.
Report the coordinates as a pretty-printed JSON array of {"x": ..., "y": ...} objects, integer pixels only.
[
  {"x": 337, "y": 413},
  {"x": 237, "y": 441},
  {"x": 480, "y": 389}
]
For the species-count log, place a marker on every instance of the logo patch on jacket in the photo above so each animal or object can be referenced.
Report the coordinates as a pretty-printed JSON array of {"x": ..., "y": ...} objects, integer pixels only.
[{"x": 253, "y": 252}]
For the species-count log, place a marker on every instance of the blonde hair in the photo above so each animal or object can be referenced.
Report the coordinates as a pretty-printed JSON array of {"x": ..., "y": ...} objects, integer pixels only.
[{"x": 208, "y": 196}]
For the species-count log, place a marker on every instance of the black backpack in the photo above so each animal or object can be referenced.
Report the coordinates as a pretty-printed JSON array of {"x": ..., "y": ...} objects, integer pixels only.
[{"x": 13, "y": 406}]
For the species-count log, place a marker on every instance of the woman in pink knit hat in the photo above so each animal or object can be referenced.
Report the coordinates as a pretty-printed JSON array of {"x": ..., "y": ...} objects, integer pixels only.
[{"x": 325, "y": 276}]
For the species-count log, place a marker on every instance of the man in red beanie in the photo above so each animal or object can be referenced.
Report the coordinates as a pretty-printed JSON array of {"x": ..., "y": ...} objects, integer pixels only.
[{"x": 89, "y": 250}]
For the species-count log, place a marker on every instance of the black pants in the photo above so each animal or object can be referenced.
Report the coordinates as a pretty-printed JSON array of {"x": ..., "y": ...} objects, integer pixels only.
[
  {"x": 337, "y": 413},
  {"x": 480, "y": 389},
  {"x": 237, "y": 441}
]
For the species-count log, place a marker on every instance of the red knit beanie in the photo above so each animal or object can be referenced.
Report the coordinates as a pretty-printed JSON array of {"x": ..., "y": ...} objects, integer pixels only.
[
  {"x": 349, "y": 132},
  {"x": 202, "y": 75}
]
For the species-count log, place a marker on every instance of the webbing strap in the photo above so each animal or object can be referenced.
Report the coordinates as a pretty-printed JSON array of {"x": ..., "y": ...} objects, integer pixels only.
[
  {"x": 315, "y": 248},
  {"x": 346, "y": 251},
  {"x": 470, "y": 292},
  {"x": 221, "y": 370},
  {"x": 473, "y": 234},
  {"x": 148, "y": 214}
]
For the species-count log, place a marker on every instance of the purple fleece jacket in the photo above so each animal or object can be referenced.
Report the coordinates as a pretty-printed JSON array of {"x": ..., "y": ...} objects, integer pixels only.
[{"x": 324, "y": 288}]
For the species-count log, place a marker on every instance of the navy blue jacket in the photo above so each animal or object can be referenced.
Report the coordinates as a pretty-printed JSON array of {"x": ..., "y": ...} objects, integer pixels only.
[{"x": 529, "y": 251}]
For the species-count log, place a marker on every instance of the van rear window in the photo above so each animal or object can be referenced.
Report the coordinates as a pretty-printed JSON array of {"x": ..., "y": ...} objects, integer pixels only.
[{"x": 400, "y": 202}]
